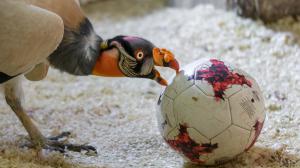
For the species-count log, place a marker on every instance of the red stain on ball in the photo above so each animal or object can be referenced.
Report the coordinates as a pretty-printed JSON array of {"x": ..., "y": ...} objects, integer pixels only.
[
  {"x": 257, "y": 128},
  {"x": 184, "y": 144},
  {"x": 221, "y": 78}
]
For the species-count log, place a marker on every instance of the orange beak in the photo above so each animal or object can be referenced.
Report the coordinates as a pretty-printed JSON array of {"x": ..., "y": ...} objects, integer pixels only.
[
  {"x": 165, "y": 58},
  {"x": 159, "y": 79}
]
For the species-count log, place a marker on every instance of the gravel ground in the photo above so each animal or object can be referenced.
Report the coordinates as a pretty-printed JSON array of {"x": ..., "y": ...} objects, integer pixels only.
[{"x": 118, "y": 115}]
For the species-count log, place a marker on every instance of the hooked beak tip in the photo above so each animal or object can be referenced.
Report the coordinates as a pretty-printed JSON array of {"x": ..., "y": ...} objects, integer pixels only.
[
  {"x": 163, "y": 82},
  {"x": 174, "y": 65},
  {"x": 159, "y": 79}
]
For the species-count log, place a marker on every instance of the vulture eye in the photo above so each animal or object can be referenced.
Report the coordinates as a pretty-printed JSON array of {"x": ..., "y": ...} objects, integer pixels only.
[{"x": 139, "y": 55}]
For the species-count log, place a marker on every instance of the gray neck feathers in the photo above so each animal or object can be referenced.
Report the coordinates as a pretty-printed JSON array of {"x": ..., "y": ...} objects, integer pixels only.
[{"x": 79, "y": 50}]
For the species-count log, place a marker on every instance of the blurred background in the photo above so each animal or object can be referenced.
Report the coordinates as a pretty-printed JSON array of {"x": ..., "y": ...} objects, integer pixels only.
[
  {"x": 118, "y": 115},
  {"x": 168, "y": 3}
]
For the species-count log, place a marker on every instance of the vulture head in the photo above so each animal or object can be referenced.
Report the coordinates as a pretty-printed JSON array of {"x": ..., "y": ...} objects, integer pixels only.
[{"x": 133, "y": 57}]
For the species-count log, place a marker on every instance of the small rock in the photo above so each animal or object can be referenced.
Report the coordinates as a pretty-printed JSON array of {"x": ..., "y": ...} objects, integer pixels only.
[{"x": 274, "y": 107}]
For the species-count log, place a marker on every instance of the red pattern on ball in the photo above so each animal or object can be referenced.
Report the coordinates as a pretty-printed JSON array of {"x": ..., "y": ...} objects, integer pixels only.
[
  {"x": 257, "y": 127},
  {"x": 221, "y": 78},
  {"x": 184, "y": 144}
]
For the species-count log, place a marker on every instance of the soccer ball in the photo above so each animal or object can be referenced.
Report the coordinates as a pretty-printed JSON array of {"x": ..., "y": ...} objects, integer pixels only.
[{"x": 211, "y": 112}]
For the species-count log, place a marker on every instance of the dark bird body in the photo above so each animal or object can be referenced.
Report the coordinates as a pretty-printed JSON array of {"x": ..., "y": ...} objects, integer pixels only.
[{"x": 79, "y": 50}]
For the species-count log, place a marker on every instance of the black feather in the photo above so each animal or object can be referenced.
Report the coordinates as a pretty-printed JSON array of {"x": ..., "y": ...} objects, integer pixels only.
[
  {"x": 4, "y": 77},
  {"x": 78, "y": 52}
]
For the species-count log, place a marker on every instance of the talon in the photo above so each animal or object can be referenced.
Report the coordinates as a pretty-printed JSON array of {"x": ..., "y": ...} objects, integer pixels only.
[
  {"x": 51, "y": 148},
  {"x": 62, "y": 135},
  {"x": 54, "y": 144},
  {"x": 80, "y": 148}
]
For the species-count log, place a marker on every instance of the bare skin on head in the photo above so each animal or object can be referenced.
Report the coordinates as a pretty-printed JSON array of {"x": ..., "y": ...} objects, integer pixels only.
[{"x": 106, "y": 63}]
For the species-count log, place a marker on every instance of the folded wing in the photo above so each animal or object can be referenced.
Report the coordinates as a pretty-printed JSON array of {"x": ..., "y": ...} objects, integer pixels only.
[{"x": 28, "y": 35}]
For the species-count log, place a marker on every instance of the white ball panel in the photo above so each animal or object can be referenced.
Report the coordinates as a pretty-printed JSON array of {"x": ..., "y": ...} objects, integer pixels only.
[
  {"x": 247, "y": 106},
  {"x": 165, "y": 115},
  {"x": 232, "y": 90},
  {"x": 251, "y": 138},
  {"x": 205, "y": 87},
  {"x": 210, "y": 120},
  {"x": 197, "y": 136},
  {"x": 180, "y": 83},
  {"x": 167, "y": 108},
  {"x": 231, "y": 142},
  {"x": 257, "y": 94},
  {"x": 172, "y": 133}
]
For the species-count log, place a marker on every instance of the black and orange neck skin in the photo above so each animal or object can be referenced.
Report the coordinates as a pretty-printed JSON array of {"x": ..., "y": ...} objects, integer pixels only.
[{"x": 107, "y": 64}]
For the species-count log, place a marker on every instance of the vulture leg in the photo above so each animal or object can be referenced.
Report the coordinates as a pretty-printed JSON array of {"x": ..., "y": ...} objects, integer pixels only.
[{"x": 13, "y": 96}]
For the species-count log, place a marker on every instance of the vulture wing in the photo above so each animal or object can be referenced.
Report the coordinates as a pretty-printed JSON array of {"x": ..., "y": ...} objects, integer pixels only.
[{"x": 28, "y": 35}]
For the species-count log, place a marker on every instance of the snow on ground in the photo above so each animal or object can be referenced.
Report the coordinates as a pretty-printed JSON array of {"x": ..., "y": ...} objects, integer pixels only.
[{"x": 118, "y": 115}]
